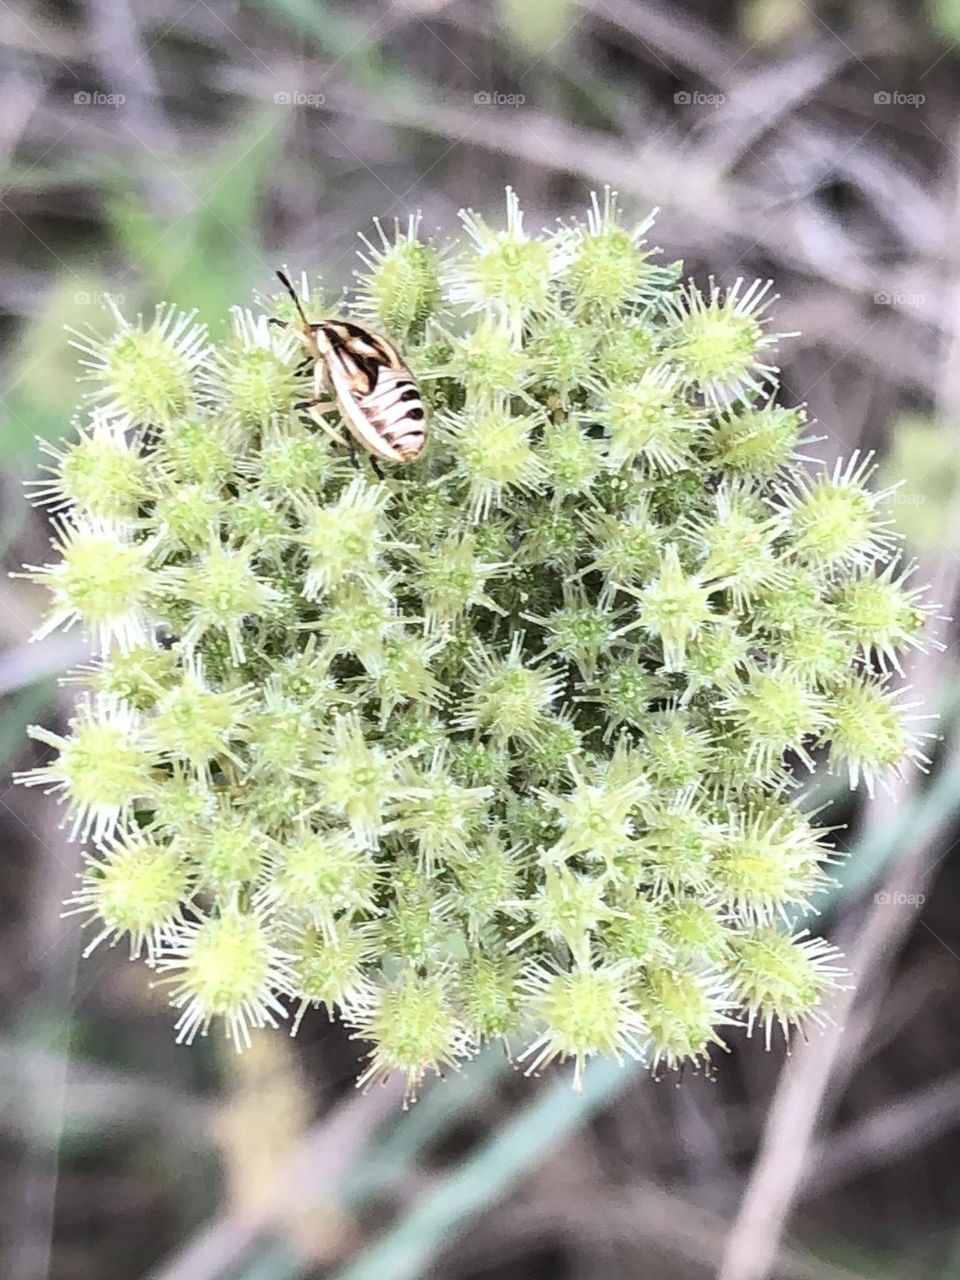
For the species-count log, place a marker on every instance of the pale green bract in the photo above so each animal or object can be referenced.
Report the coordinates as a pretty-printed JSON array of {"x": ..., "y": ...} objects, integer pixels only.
[{"x": 506, "y": 745}]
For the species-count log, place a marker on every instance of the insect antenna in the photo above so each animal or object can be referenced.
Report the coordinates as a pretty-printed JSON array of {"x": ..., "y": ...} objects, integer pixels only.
[{"x": 285, "y": 281}]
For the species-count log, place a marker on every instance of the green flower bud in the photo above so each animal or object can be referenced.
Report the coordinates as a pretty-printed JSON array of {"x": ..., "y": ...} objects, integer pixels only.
[
  {"x": 329, "y": 968},
  {"x": 99, "y": 474},
  {"x": 696, "y": 932},
  {"x": 413, "y": 1028},
  {"x": 356, "y": 781},
  {"x": 222, "y": 590},
  {"x": 678, "y": 846},
  {"x": 493, "y": 362},
  {"x": 509, "y": 272},
  {"x": 195, "y": 723},
  {"x": 402, "y": 286},
  {"x": 344, "y": 540},
  {"x": 647, "y": 420},
  {"x": 673, "y": 608},
  {"x": 228, "y": 851},
  {"x": 508, "y": 699},
  {"x": 719, "y": 342},
  {"x": 609, "y": 267},
  {"x": 494, "y": 455},
  {"x": 253, "y": 378},
  {"x": 868, "y": 731},
  {"x": 881, "y": 614},
  {"x": 102, "y": 580},
  {"x": 683, "y": 1011},
  {"x": 145, "y": 375},
  {"x": 135, "y": 891},
  {"x": 834, "y": 520},
  {"x": 677, "y": 752},
  {"x": 756, "y": 443},
  {"x": 103, "y": 768},
  {"x": 453, "y": 579},
  {"x": 572, "y": 458},
  {"x": 777, "y": 712},
  {"x": 489, "y": 989},
  {"x": 189, "y": 517},
  {"x": 488, "y": 878},
  {"x": 225, "y": 966},
  {"x": 782, "y": 979},
  {"x": 579, "y": 632},
  {"x": 596, "y": 819},
  {"x": 199, "y": 451},
  {"x": 583, "y": 1013},
  {"x": 438, "y": 813},
  {"x": 138, "y": 676},
  {"x": 769, "y": 860},
  {"x": 568, "y": 908},
  {"x": 323, "y": 873},
  {"x": 561, "y": 349}
]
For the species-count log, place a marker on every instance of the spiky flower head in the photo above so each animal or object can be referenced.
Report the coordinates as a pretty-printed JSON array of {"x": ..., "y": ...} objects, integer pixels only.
[
  {"x": 506, "y": 743},
  {"x": 401, "y": 287},
  {"x": 144, "y": 374}
]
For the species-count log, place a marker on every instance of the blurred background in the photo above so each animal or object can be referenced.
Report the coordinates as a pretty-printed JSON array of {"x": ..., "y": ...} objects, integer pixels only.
[{"x": 182, "y": 148}]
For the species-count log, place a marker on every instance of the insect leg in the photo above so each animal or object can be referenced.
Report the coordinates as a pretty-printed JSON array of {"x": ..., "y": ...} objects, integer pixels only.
[
  {"x": 316, "y": 409},
  {"x": 351, "y": 449},
  {"x": 315, "y": 406},
  {"x": 377, "y": 469},
  {"x": 283, "y": 324}
]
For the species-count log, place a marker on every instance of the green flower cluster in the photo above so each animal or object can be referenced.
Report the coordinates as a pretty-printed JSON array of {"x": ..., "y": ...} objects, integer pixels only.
[{"x": 505, "y": 745}]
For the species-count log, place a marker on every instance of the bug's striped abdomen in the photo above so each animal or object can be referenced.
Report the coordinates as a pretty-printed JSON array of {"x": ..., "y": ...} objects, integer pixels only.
[
  {"x": 395, "y": 411},
  {"x": 378, "y": 396}
]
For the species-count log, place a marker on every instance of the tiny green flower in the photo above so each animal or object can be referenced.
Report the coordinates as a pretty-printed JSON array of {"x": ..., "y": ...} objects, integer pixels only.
[
  {"x": 835, "y": 520},
  {"x": 413, "y": 1028},
  {"x": 783, "y": 979},
  {"x": 145, "y": 375},
  {"x": 609, "y": 267},
  {"x": 869, "y": 731},
  {"x": 345, "y": 539},
  {"x": 495, "y": 456},
  {"x": 673, "y": 608},
  {"x": 509, "y": 271},
  {"x": 100, "y": 474},
  {"x": 225, "y": 966},
  {"x": 683, "y": 1010},
  {"x": 718, "y": 342},
  {"x": 402, "y": 287},
  {"x": 102, "y": 580},
  {"x": 648, "y": 421},
  {"x": 583, "y": 1012},
  {"x": 135, "y": 890},
  {"x": 104, "y": 767},
  {"x": 508, "y": 698}
]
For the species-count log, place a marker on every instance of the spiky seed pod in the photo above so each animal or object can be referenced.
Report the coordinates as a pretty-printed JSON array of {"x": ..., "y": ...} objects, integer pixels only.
[{"x": 504, "y": 744}]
